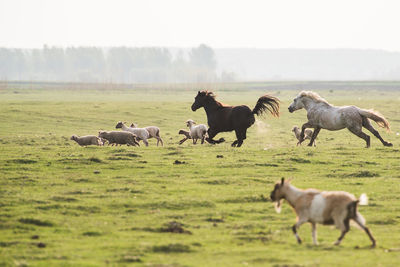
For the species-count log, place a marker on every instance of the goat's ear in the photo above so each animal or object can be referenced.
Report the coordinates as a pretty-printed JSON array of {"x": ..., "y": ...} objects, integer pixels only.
[{"x": 282, "y": 181}]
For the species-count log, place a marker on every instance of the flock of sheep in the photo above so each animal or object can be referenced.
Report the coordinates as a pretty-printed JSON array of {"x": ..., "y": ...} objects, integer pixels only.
[{"x": 132, "y": 135}]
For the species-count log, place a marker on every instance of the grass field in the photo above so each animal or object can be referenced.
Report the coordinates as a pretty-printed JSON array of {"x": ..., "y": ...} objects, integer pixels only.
[{"x": 61, "y": 204}]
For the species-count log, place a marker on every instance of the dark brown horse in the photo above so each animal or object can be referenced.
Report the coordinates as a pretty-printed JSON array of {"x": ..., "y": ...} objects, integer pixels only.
[{"x": 222, "y": 118}]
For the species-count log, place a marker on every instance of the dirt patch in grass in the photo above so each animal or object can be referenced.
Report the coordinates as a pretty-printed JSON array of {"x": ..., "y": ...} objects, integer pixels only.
[
  {"x": 22, "y": 161},
  {"x": 174, "y": 227},
  {"x": 362, "y": 174},
  {"x": 92, "y": 233},
  {"x": 267, "y": 165},
  {"x": 64, "y": 199},
  {"x": 35, "y": 222},
  {"x": 300, "y": 160},
  {"x": 172, "y": 248},
  {"x": 130, "y": 155}
]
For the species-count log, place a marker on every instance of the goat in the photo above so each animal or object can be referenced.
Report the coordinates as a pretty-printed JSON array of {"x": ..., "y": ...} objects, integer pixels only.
[
  {"x": 307, "y": 134},
  {"x": 197, "y": 131},
  {"x": 153, "y": 131},
  {"x": 326, "y": 207}
]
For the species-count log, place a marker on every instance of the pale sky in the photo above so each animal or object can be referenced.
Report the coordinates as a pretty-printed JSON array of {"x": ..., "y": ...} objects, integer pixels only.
[{"x": 186, "y": 23}]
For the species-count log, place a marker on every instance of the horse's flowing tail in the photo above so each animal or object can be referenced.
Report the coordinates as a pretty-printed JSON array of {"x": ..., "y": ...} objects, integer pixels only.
[
  {"x": 265, "y": 103},
  {"x": 375, "y": 116}
]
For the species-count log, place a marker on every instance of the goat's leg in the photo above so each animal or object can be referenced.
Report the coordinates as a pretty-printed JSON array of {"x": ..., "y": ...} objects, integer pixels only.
[
  {"x": 303, "y": 128},
  {"x": 295, "y": 227},
  {"x": 314, "y": 233},
  {"x": 344, "y": 227},
  {"x": 365, "y": 228},
  {"x": 314, "y": 135}
]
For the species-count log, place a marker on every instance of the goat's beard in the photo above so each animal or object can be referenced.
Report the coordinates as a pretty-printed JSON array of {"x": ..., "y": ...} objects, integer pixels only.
[{"x": 278, "y": 205}]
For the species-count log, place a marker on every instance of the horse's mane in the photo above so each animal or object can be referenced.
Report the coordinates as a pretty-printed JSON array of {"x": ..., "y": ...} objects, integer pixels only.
[
  {"x": 314, "y": 96},
  {"x": 210, "y": 95}
]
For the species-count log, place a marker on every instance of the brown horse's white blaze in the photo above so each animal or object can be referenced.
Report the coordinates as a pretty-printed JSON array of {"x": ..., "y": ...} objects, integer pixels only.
[
  {"x": 326, "y": 207},
  {"x": 322, "y": 115}
]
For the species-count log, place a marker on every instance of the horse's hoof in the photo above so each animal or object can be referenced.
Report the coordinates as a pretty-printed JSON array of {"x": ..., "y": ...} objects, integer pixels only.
[
  {"x": 221, "y": 140},
  {"x": 388, "y": 144}
]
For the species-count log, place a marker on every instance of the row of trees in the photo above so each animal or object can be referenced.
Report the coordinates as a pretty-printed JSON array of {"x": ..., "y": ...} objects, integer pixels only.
[{"x": 115, "y": 65}]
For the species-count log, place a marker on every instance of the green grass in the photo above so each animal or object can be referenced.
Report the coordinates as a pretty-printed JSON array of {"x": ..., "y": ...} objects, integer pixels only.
[{"x": 62, "y": 204}]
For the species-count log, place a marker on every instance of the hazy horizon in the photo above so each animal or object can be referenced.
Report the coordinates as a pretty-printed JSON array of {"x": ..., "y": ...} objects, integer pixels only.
[{"x": 291, "y": 24}]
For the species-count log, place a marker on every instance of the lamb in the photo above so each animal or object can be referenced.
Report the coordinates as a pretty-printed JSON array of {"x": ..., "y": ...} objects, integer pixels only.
[
  {"x": 307, "y": 134},
  {"x": 326, "y": 207},
  {"x": 186, "y": 134},
  {"x": 87, "y": 140},
  {"x": 121, "y": 138},
  {"x": 154, "y": 131},
  {"x": 197, "y": 131},
  {"x": 141, "y": 133}
]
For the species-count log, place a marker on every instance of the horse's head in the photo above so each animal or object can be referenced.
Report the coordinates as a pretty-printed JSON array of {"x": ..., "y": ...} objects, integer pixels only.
[
  {"x": 297, "y": 104},
  {"x": 200, "y": 100}
]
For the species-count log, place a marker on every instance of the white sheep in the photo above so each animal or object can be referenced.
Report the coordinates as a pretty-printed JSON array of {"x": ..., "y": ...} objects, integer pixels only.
[
  {"x": 119, "y": 138},
  {"x": 307, "y": 134},
  {"x": 154, "y": 131},
  {"x": 87, "y": 140},
  {"x": 326, "y": 207},
  {"x": 197, "y": 131},
  {"x": 141, "y": 133}
]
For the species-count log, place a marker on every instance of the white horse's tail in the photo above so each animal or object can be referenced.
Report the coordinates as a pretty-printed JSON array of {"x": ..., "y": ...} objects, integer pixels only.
[{"x": 375, "y": 116}]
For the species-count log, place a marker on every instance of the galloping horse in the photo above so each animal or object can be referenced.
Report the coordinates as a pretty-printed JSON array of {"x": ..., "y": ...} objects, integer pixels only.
[
  {"x": 222, "y": 118},
  {"x": 322, "y": 115}
]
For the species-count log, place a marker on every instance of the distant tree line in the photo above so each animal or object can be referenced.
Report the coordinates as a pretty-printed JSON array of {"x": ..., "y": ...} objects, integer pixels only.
[{"x": 110, "y": 65}]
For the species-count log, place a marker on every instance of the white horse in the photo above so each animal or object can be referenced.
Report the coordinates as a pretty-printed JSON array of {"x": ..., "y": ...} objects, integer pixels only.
[{"x": 322, "y": 115}]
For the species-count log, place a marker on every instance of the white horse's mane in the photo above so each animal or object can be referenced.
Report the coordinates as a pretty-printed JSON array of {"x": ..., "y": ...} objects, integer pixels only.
[{"x": 314, "y": 96}]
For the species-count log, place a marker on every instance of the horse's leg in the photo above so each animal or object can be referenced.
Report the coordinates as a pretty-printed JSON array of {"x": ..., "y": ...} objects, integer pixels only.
[
  {"x": 211, "y": 134},
  {"x": 303, "y": 128},
  {"x": 242, "y": 137},
  {"x": 238, "y": 134},
  {"x": 357, "y": 131},
  {"x": 314, "y": 135},
  {"x": 367, "y": 124}
]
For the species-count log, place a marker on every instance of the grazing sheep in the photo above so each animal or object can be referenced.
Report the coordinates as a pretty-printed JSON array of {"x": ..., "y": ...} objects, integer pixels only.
[
  {"x": 87, "y": 140},
  {"x": 141, "y": 133},
  {"x": 154, "y": 131},
  {"x": 326, "y": 207},
  {"x": 307, "y": 134},
  {"x": 197, "y": 131},
  {"x": 186, "y": 134},
  {"x": 119, "y": 138}
]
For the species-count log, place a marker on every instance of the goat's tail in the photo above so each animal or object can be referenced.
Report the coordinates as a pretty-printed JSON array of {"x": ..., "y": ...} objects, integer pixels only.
[
  {"x": 363, "y": 200},
  {"x": 265, "y": 103},
  {"x": 375, "y": 116}
]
